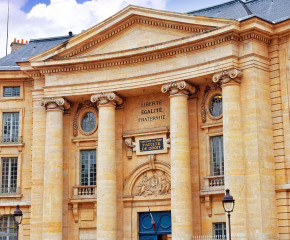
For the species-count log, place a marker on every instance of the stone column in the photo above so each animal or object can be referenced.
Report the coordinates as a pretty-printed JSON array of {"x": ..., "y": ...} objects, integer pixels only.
[
  {"x": 181, "y": 195},
  {"x": 53, "y": 169},
  {"x": 106, "y": 166},
  {"x": 234, "y": 164}
]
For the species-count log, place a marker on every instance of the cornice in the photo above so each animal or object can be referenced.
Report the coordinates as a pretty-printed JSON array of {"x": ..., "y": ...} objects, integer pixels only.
[
  {"x": 131, "y": 22},
  {"x": 256, "y": 36},
  {"x": 12, "y": 75},
  {"x": 127, "y": 59},
  {"x": 137, "y": 58},
  {"x": 125, "y": 14}
]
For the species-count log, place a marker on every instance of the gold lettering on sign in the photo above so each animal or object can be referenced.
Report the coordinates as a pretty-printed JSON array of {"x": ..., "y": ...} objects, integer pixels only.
[{"x": 155, "y": 107}]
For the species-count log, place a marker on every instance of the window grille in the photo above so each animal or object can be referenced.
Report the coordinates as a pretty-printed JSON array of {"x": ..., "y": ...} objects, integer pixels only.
[
  {"x": 220, "y": 229},
  {"x": 10, "y": 127},
  {"x": 88, "y": 167},
  {"x": 217, "y": 155},
  {"x": 8, "y": 229},
  {"x": 11, "y": 91},
  {"x": 9, "y": 175}
]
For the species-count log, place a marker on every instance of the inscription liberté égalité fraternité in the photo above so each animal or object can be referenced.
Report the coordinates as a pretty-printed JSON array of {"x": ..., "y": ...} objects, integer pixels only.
[{"x": 155, "y": 107}]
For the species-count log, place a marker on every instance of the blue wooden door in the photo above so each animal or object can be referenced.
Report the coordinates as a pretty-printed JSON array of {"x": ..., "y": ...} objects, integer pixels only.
[{"x": 163, "y": 225}]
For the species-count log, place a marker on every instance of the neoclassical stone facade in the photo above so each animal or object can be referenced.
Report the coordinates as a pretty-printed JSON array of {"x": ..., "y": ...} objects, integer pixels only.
[{"x": 151, "y": 109}]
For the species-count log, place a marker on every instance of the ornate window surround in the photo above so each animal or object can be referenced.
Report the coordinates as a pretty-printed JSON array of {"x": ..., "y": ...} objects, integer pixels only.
[
  {"x": 208, "y": 93},
  {"x": 208, "y": 102},
  {"x": 81, "y": 115},
  {"x": 83, "y": 108}
]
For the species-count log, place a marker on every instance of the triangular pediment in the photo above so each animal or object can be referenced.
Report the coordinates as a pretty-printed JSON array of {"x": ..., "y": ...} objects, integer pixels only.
[
  {"x": 137, "y": 36},
  {"x": 131, "y": 28}
]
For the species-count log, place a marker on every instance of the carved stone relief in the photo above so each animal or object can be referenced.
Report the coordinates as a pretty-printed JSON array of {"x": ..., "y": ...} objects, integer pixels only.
[{"x": 154, "y": 182}]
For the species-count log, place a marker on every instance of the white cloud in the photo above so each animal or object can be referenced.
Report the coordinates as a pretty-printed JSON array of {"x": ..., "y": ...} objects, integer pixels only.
[{"x": 60, "y": 17}]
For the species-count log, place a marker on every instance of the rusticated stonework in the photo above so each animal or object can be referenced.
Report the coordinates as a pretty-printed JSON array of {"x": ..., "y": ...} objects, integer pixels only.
[
  {"x": 154, "y": 183},
  {"x": 232, "y": 76}
]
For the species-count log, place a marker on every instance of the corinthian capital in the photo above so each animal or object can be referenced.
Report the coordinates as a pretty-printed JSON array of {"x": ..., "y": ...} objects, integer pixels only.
[
  {"x": 232, "y": 76},
  {"x": 55, "y": 103},
  {"x": 179, "y": 87},
  {"x": 107, "y": 98}
]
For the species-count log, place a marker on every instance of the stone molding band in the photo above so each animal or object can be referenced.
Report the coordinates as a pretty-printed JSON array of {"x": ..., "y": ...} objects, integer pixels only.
[
  {"x": 232, "y": 76},
  {"x": 179, "y": 87},
  {"x": 107, "y": 98},
  {"x": 56, "y": 103}
]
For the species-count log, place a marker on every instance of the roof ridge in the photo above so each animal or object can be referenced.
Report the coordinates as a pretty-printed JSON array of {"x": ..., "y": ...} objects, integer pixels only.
[
  {"x": 244, "y": 4},
  {"x": 215, "y": 6},
  {"x": 50, "y": 38}
]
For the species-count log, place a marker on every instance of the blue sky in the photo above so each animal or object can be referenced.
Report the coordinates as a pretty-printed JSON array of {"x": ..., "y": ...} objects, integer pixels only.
[
  {"x": 30, "y": 19},
  {"x": 171, "y": 5}
]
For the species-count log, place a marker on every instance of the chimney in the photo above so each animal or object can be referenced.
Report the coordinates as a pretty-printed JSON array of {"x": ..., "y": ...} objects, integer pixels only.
[{"x": 16, "y": 44}]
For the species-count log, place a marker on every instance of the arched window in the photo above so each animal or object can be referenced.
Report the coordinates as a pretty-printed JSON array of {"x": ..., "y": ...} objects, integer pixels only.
[{"x": 8, "y": 230}]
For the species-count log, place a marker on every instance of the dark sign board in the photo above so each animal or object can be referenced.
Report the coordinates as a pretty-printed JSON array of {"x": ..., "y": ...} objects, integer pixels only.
[{"x": 151, "y": 144}]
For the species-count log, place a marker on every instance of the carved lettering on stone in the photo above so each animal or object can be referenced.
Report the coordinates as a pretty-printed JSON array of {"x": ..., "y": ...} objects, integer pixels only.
[{"x": 150, "y": 183}]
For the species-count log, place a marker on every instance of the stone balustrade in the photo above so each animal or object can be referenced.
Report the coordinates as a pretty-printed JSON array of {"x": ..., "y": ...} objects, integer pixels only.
[
  {"x": 214, "y": 181},
  {"x": 84, "y": 191}
]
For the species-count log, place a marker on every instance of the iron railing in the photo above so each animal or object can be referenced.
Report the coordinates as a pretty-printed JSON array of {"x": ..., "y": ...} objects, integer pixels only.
[{"x": 216, "y": 237}]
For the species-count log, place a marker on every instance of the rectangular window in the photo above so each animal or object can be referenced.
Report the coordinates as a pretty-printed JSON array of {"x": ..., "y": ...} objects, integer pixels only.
[
  {"x": 217, "y": 155},
  {"x": 10, "y": 127},
  {"x": 8, "y": 230},
  {"x": 219, "y": 230},
  {"x": 88, "y": 168},
  {"x": 11, "y": 91},
  {"x": 9, "y": 175}
]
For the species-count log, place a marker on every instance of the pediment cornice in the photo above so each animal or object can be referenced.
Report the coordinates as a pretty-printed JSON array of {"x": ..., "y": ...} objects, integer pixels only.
[
  {"x": 159, "y": 51},
  {"x": 125, "y": 19},
  {"x": 132, "y": 21}
]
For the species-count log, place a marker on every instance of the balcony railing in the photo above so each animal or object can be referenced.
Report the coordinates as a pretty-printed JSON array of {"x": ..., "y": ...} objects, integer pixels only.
[
  {"x": 9, "y": 190},
  {"x": 214, "y": 181},
  {"x": 11, "y": 139},
  {"x": 85, "y": 191},
  {"x": 216, "y": 237}
]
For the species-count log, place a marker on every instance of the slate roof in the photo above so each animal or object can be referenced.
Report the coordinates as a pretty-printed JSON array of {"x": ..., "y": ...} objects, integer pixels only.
[
  {"x": 34, "y": 47},
  {"x": 273, "y": 11}
]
